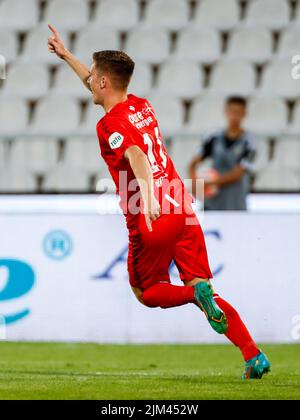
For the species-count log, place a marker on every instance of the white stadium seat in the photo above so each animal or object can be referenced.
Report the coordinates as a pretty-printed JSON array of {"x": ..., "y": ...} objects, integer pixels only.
[
  {"x": 199, "y": 44},
  {"x": 277, "y": 81},
  {"x": 18, "y": 15},
  {"x": 35, "y": 49},
  {"x": 183, "y": 150},
  {"x": 84, "y": 153},
  {"x": 207, "y": 114},
  {"x": 295, "y": 125},
  {"x": 169, "y": 113},
  {"x": 147, "y": 45},
  {"x": 287, "y": 152},
  {"x": 141, "y": 82},
  {"x": 122, "y": 15},
  {"x": 277, "y": 178},
  {"x": 253, "y": 44},
  {"x": 272, "y": 14},
  {"x": 8, "y": 45},
  {"x": 67, "y": 83},
  {"x": 35, "y": 155},
  {"x": 56, "y": 116},
  {"x": 67, "y": 178},
  {"x": 28, "y": 81},
  {"x": 93, "y": 39},
  {"x": 3, "y": 153},
  {"x": 92, "y": 116},
  {"x": 170, "y": 14},
  {"x": 18, "y": 180},
  {"x": 223, "y": 16},
  {"x": 68, "y": 15},
  {"x": 233, "y": 77},
  {"x": 289, "y": 43},
  {"x": 297, "y": 15},
  {"x": 180, "y": 79},
  {"x": 13, "y": 116},
  {"x": 267, "y": 116},
  {"x": 262, "y": 157}
]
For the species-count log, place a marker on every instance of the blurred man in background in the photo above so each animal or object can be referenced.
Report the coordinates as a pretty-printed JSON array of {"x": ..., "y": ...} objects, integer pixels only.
[{"x": 232, "y": 151}]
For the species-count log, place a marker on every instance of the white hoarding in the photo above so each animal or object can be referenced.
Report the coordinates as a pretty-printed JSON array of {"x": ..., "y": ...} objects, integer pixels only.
[{"x": 64, "y": 278}]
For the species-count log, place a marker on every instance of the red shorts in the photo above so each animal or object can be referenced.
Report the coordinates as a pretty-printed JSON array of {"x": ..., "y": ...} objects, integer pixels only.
[{"x": 175, "y": 237}]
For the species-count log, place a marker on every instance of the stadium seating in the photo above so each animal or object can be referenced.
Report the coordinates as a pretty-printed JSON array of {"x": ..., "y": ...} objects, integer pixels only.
[
  {"x": 27, "y": 81},
  {"x": 251, "y": 44},
  {"x": 274, "y": 113},
  {"x": 35, "y": 49},
  {"x": 182, "y": 151},
  {"x": 34, "y": 155},
  {"x": 294, "y": 127},
  {"x": 180, "y": 79},
  {"x": 84, "y": 153},
  {"x": 289, "y": 43},
  {"x": 148, "y": 46},
  {"x": 56, "y": 116},
  {"x": 91, "y": 39},
  {"x": 169, "y": 113},
  {"x": 207, "y": 115},
  {"x": 92, "y": 115},
  {"x": 170, "y": 14},
  {"x": 287, "y": 153},
  {"x": 121, "y": 15},
  {"x": 13, "y": 117},
  {"x": 141, "y": 83},
  {"x": 189, "y": 56},
  {"x": 66, "y": 178},
  {"x": 66, "y": 83},
  {"x": 277, "y": 178},
  {"x": 199, "y": 44},
  {"x": 277, "y": 81},
  {"x": 271, "y": 14},
  {"x": 8, "y": 45},
  {"x": 233, "y": 77},
  {"x": 209, "y": 13},
  {"x": 76, "y": 11},
  {"x": 18, "y": 15}
]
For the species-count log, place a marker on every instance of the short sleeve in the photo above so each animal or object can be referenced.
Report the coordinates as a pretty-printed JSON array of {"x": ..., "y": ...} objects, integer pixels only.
[
  {"x": 206, "y": 148},
  {"x": 248, "y": 156},
  {"x": 118, "y": 136}
]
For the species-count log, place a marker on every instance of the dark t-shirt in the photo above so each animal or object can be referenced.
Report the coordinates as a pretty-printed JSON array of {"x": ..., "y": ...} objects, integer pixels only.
[{"x": 226, "y": 154}]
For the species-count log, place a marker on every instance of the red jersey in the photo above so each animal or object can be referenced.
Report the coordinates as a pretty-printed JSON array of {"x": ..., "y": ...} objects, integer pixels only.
[{"x": 133, "y": 123}]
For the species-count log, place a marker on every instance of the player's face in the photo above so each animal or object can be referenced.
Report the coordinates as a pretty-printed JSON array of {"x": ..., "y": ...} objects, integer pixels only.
[
  {"x": 97, "y": 85},
  {"x": 235, "y": 114}
]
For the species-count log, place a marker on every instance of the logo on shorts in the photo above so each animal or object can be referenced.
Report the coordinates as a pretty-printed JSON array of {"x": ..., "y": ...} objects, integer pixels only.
[{"x": 116, "y": 140}]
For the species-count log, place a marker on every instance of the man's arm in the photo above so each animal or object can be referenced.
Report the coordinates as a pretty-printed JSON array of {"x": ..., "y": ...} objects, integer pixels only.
[
  {"x": 193, "y": 173},
  {"x": 56, "y": 46},
  {"x": 143, "y": 173},
  {"x": 231, "y": 177}
]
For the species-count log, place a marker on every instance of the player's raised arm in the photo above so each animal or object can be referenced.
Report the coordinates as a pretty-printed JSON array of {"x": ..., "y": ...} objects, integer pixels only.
[
  {"x": 143, "y": 173},
  {"x": 56, "y": 46}
]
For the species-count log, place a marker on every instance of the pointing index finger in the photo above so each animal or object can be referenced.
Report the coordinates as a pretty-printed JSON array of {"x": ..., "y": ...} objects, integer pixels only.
[{"x": 52, "y": 29}]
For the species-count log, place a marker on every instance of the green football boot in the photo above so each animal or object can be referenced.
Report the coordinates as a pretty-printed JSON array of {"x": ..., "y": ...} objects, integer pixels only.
[
  {"x": 205, "y": 300},
  {"x": 257, "y": 367}
]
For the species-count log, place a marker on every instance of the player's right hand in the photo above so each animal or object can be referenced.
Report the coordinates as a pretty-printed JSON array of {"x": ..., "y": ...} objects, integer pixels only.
[
  {"x": 55, "y": 43},
  {"x": 152, "y": 213}
]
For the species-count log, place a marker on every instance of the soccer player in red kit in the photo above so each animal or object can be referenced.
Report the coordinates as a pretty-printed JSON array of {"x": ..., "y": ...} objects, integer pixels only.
[{"x": 162, "y": 225}]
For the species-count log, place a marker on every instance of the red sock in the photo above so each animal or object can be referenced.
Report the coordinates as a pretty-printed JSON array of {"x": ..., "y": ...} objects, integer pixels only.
[
  {"x": 166, "y": 295},
  {"x": 237, "y": 332}
]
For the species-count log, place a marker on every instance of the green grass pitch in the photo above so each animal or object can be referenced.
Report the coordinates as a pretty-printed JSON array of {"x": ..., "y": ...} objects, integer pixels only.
[{"x": 90, "y": 371}]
